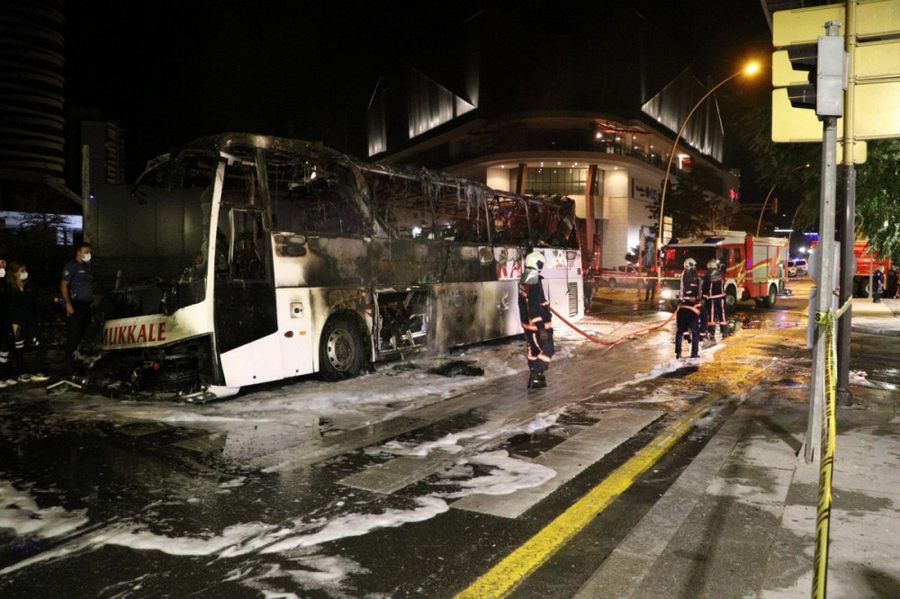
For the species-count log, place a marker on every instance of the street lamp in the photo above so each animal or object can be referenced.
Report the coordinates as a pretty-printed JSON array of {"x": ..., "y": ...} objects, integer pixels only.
[
  {"x": 751, "y": 68},
  {"x": 768, "y": 195}
]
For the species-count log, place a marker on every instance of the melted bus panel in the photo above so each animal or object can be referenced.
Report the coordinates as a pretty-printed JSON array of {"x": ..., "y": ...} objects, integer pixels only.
[{"x": 296, "y": 259}]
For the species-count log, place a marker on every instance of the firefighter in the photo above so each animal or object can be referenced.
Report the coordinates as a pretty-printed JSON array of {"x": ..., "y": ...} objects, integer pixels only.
[
  {"x": 878, "y": 283},
  {"x": 688, "y": 314},
  {"x": 713, "y": 289},
  {"x": 534, "y": 313}
]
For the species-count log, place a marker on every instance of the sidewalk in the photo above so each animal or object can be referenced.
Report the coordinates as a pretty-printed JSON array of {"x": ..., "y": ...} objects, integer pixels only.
[
  {"x": 740, "y": 520},
  {"x": 882, "y": 318}
]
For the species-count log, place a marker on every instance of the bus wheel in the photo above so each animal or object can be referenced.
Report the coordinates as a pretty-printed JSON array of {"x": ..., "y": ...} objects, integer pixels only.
[
  {"x": 771, "y": 297},
  {"x": 730, "y": 298},
  {"x": 340, "y": 350}
]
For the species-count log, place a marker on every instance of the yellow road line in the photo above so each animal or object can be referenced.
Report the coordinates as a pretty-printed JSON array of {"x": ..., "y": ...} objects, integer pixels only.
[{"x": 500, "y": 580}]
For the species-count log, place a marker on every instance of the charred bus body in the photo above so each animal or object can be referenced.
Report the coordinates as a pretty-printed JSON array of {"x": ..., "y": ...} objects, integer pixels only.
[{"x": 242, "y": 259}]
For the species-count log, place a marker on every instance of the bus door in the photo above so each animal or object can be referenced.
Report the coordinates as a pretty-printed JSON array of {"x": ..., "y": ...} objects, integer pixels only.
[{"x": 243, "y": 291}]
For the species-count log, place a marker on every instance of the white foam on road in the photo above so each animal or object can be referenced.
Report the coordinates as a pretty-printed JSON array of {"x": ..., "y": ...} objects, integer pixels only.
[
  {"x": 861, "y": 378},
  {"x": 508, "y": 475},
  {"x": 19, "y": 512}
]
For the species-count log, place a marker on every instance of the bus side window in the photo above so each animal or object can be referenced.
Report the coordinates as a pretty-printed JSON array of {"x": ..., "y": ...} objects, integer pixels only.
[
  {"x": 241, "y": 186},
  {"x": 401, "y": 205},
  {"x": 311, "y": 196},
  {"x": 509, "y": 220},
  {"x": 459, "y": 216}
]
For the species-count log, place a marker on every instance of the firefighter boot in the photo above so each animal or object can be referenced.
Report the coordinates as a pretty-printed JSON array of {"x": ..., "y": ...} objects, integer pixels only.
[{"x": 536, "y": 380}]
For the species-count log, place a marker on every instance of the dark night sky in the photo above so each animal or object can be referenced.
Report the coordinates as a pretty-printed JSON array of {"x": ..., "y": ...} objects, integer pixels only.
[{"x": 173, "y": 71}]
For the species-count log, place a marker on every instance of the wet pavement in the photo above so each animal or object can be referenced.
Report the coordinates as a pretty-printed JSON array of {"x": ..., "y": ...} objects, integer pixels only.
[{"x": 382, "y": 487}]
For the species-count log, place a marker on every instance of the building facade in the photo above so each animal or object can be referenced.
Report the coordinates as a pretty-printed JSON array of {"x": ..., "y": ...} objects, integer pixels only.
[
  {"x": 32, "y": 104},
  {"x": 584, "y": 108}
]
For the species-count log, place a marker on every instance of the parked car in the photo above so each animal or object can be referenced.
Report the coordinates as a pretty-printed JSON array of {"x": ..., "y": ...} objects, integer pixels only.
[
  {"x": 797, "y": 267},
  {"x": 626, "y": 275}
]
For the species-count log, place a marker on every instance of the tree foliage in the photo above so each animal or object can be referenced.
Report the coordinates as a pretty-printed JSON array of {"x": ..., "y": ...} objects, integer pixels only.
[
  {"x": 689, "y": 205},
  {"x": 878, "y": 179},
  {"x": 878, "y": 198}
]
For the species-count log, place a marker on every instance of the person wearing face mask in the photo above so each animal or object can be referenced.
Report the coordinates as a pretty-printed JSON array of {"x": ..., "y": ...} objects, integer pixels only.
[
  {"x": 26, "y": 330},
  {"x": 6, "y": 341},
  {"x": 77, "y": 288}
]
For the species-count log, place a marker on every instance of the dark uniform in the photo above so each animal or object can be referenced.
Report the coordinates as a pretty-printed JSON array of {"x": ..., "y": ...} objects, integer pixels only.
[
  {"x": 81, "y": 292},
  {"x": 878, "y": 283},
  {"x": 7, "y": 374},
  {"x": 688, "y": 315},
  {"x": 23, "y": 316},
  {"x": 713, "y": 289},
  {"x": 534, "y": 313},
  {"x": 890, "y": 290}
]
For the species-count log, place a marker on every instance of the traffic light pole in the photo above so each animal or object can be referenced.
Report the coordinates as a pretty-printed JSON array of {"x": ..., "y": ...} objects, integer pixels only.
[
  {"x": 825, "y": 280},
  {"x": 825, "y": 285}
]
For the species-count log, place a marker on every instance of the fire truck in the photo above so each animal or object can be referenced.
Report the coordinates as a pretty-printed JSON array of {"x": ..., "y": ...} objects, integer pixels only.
[
  {"x": 755, "y": 267},
  {"x": 866, "y": 264}
]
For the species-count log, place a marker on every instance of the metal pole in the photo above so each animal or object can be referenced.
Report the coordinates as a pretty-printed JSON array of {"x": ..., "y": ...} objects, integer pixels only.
[
  {"x": 763, "y": 211},
  {"x": 848, "y": 228},
  {"x": 825, "y": 290},
  {"x": 665, "y": 185},
  {"x": 825, "y": 286}
]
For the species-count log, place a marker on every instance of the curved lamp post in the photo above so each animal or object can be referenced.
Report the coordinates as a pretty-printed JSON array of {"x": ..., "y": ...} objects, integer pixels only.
[
  {"x": 766, "y": 203},
  {"x": 750, "y": 68}
]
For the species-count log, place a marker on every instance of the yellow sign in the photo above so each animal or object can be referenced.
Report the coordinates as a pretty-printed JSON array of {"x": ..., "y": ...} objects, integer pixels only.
[
  {"x": 876, "y": 72},
  {"x": 803, "y": 25},
  {"x": 874, "y": 18}
]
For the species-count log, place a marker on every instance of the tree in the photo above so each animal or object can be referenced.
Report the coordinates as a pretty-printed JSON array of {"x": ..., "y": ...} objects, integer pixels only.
[
  {"x": 689, "y": 205},
  {"x": 878, "y": 179},
  {"x": 878, "y": 198}
]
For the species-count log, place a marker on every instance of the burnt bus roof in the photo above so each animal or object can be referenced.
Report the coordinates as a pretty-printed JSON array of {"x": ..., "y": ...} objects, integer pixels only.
[{"x": 232, "y": 140}]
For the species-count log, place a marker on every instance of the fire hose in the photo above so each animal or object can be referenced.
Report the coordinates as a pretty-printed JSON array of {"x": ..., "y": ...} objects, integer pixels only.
[{"x": 599, "y": 341}]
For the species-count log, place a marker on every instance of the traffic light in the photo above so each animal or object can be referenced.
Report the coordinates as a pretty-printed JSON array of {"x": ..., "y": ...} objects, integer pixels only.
[{"x": 826, "y": 66}]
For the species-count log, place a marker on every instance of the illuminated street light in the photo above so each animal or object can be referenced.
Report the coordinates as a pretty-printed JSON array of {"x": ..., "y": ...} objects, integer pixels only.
[{"x": 749, "y": 69}]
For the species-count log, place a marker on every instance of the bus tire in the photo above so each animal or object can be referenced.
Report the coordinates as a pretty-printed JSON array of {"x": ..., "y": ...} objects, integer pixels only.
[
  {"x": 772, "y": 297},
  {"x": 341, "y": 350},
  {"x": 730, "y": 298}
]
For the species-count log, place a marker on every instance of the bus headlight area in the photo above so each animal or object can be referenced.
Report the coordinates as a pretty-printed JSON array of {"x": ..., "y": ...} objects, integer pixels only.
[{"x": 667, "y": 293}]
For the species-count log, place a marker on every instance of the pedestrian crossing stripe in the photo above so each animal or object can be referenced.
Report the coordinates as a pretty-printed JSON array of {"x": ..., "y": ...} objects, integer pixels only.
[{"x": 500, "y": 580}]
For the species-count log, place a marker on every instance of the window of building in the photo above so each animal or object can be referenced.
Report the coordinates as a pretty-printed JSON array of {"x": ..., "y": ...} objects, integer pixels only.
[{"x": 553, "y": 180}]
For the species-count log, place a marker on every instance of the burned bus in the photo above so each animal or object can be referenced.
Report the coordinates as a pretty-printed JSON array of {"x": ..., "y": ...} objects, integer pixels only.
[{"x": 241, "y": 259}]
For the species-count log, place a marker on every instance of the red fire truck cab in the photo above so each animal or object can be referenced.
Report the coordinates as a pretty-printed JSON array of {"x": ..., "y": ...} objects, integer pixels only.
[{"x": 755, "y": 267}]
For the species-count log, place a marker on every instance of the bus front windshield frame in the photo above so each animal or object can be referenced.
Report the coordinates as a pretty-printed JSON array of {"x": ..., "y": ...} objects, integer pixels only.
[{"x": 156, "y": 242}]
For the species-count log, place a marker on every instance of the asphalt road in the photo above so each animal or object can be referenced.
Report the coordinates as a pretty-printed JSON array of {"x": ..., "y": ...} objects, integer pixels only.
[{"x": 277, "y": 494}]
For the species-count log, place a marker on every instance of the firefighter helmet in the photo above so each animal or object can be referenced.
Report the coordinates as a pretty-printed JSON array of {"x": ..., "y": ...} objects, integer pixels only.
[
  {"x": 534, "y": 260},
  {"x": 690, "y": 263},
  {"x": 712, "y": 264}
]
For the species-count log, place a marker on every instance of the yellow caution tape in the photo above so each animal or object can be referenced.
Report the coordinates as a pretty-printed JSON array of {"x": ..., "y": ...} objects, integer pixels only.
[{"x": 826, "y": 466}]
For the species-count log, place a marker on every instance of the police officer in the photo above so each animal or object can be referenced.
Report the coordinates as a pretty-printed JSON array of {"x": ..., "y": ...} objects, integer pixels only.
[
  {"x": 77, "y": 288},
  {"x": 534, "y": 313},
  {"x": 688, "y": 314},
  {"x": 878, "y": 282},
  {"x": 713, "y": 289}
]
